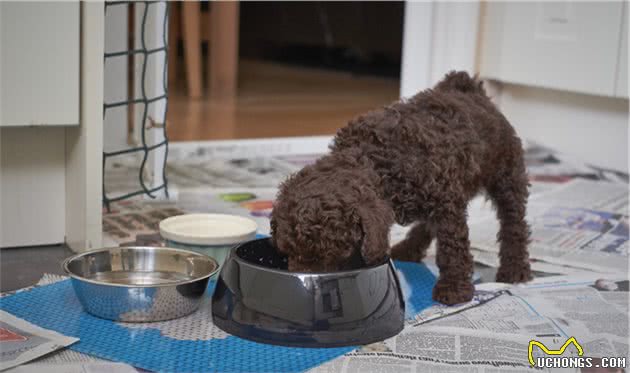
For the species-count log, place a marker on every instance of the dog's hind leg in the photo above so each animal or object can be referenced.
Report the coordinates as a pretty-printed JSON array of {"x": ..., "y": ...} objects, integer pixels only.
[
  {"x": 509, "y": 194},
  {"x": 414, "y": 247},
  {"x": 453, "y": 256}
]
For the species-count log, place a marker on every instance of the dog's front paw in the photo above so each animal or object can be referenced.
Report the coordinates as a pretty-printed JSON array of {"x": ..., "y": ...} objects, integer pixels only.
[
  {"x": 451, "y": 292},
  {"x": 514, "y": 273}
]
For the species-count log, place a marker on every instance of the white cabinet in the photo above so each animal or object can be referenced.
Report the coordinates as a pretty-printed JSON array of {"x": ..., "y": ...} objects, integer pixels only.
[
  {"x": 621, "y": 88},
  {"x": 572, "y": 46},
  {"x": 32, "y": 192},
  {"x": 50, "y": 137},
  {"x": 39, "y": 63}
]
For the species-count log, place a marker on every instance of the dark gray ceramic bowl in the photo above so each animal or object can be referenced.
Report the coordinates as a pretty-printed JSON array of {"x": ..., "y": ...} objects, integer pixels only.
[{"x": 256, "y": 298}]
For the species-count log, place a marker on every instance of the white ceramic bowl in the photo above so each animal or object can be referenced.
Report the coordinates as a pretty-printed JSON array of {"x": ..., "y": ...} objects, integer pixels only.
[{"x": 210, "y": 234}]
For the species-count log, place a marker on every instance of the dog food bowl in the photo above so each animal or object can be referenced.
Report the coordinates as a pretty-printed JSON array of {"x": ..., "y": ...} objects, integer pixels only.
[
  {"x": 140, "y": 284},
  {"x": 256, "y": 298},
  {"x": 210, "y": 234}
]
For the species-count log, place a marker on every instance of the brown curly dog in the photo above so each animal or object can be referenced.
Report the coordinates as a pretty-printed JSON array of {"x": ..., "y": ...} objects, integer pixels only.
[{"x": 417, "y": 161}]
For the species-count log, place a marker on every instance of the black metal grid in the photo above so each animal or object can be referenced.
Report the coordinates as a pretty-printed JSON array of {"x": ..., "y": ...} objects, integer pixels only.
[{"x": 146, "y": 101}]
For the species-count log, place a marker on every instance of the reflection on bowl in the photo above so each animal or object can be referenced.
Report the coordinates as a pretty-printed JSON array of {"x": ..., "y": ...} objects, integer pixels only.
[
  {"x": 140, "y": 284},
  {"x": 256, "y": 298}
]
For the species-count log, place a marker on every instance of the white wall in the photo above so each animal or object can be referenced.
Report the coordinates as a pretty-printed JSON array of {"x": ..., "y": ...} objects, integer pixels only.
[
  {"x": 440, "y": 36},
  {"x": 565, "y": 45},
  {"x": 591, "y": 128},
  {"x": 560, "y": 66},
  {"x": 437, "y": 37},
  {"x": 415, "y": 70}
]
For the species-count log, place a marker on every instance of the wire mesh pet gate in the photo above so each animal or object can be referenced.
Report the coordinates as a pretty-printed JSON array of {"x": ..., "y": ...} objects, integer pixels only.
[{"x": 138, "y": 54}]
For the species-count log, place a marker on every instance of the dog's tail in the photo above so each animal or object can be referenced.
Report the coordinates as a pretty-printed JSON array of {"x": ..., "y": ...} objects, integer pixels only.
[{"x": 460, "y": 81}]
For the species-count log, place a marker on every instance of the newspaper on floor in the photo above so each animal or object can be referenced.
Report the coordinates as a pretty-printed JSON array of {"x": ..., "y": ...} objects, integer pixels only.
[
  {"x": 135, "y": 221},
  {"x": 494, "y": 336},
  {"x": 492, "y": 333},
  {"x": 483, "y": 293},
  {"x": 266, "y": 162},
  {"x": 588, "y": 194},
  {"x": 549, "y": 310},
  {"x": 138, "y": 219},
  {"x": 292, "y": 148},
  {"x": 583, "y": 224},
  {"x": 22, "y": 341},
  {"x": 418, "y": 350},
  {"x": 548, "y": 165},
  {"x": 491, "y": 259},
  {"x": 74, "y": 361},
  {"x": 208, "y": 165},
  {"x": 481, "y": 210},
  {"x": 225, "y": 173},
  {"x": 134, "y": 217},
  {"x": 253, "y": 203},
  {"x": 592, "y": 308}
]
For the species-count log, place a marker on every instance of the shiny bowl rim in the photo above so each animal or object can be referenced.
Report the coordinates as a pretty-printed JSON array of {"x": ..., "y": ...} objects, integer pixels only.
[
  {"x": 234, "y": 256},
  {"x": 74, "y": 276}
]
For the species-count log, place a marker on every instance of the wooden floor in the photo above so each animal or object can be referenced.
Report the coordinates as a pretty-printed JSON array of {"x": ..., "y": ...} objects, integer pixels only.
[{"x": 277, "y": 101}]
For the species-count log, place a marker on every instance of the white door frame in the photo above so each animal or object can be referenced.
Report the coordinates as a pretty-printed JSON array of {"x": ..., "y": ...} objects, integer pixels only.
[
  {"x": 84, "y": 143},
  {"x": 437, "y": 37}
]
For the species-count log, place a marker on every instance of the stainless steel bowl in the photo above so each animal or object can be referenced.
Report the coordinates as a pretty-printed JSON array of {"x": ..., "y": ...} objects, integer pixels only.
[
  {"x": 256, "y": 298},
  {"x": 140, "y": 284}
]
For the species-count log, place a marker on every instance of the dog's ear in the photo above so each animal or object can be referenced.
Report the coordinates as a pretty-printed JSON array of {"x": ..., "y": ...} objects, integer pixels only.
[
  {"x": 273, "y": 229},
  {"x": 376, "y": 220}
]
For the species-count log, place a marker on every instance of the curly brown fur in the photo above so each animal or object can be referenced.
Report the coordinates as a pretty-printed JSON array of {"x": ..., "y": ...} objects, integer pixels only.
[
  {"x": 416, "y": 161},
  {"x": 325, "y": 210}
]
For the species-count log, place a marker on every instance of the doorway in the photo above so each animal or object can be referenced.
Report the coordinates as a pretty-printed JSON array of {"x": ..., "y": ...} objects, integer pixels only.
[{"x": 304, "y": 69}]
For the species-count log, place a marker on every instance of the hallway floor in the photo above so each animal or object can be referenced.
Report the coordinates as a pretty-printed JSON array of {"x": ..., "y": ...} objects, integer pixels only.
[{"x": 278, "y": 101}]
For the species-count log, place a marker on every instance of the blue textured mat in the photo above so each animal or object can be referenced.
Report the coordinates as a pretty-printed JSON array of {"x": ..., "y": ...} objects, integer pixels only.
[{"x": 56, "y": 307}]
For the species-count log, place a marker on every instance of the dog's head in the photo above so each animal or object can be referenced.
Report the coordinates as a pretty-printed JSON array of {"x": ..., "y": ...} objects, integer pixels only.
[{"x": 329, "y": 223}]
